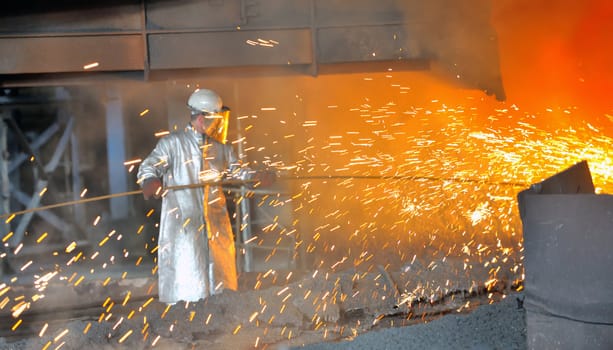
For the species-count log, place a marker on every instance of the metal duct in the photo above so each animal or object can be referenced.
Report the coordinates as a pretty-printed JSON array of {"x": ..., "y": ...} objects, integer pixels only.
[{"x": 568, "y": 262}]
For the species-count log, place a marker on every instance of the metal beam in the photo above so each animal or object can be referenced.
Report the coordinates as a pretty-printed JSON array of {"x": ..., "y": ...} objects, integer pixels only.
[
  {"x": 60, "y": 148},
  {"x": 26, "y": 218},
  {"x": 71, "y": 54},
  {"x": 79, "y": 211},
  {"x": 23, "y": 141},
  {"x": 4, "y": 194},
  {"x": 49, "y": 217},
  {"x": 116, "y": 154},
  {"x": 36, "y": 144}
]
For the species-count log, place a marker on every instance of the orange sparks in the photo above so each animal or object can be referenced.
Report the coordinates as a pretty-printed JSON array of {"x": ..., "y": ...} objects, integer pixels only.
[
  {"x": 9, "y": 219},
  {"x": 103, "y": 241},
  {"x": 79, "y": 281},
  {"x": 166, "y": 311},
  {"x": 18, "y": 309},
  {"x": 125, "y": 300},
  {"x": 4, "y": 289},
  {"x": 125, "y": 336},
  {"x": 71, "y": 247},
  {"x": 131, "y": 162},
  {"x": 147, "y": 302},
  {"x": 16, "y": 325},
  {"x": 42, "y": 237}
]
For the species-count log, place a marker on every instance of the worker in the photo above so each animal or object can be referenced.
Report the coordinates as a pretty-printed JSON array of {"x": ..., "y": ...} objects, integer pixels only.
[{"x": 196, "y": 252}]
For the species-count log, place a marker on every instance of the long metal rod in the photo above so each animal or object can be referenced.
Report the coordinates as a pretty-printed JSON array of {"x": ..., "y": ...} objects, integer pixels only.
[
  {"x": 115, "y": 195},
  {"x": 243, "y": 182},
  {"x": 403, "y": 177}
]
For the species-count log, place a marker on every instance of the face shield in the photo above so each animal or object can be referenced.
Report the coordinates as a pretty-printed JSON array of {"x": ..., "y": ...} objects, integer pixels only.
[{"x": 216, "y": 125}]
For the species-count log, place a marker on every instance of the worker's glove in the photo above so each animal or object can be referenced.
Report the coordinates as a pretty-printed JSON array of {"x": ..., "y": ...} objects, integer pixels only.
[
  {"x": 152, "y": 187},
  {"x": 265, "y": 178}
]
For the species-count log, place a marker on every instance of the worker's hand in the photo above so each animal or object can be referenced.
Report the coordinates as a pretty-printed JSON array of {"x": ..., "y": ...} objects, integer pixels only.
[
  {"x": 152, "y": 188},
  {"x": 265, "y": 178}
]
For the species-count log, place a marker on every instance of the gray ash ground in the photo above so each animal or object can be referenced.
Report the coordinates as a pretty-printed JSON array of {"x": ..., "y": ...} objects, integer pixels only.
[
  {"x": 448, "y": 307},
  {"x": 501, "y": 325}
]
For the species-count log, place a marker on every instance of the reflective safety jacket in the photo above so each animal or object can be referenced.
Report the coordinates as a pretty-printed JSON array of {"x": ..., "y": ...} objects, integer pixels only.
[{"x": 196, "y": 252}]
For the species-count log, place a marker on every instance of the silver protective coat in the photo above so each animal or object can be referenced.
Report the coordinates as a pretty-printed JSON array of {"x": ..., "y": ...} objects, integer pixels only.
[{"x": 196, "y": 252}]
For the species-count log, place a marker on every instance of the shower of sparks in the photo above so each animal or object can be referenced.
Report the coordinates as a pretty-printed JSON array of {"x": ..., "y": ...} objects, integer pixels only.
[{"x": 448, "y": 193}]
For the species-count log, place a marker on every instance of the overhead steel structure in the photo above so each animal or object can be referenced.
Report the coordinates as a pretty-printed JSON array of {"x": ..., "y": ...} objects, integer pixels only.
[{"x": 66, "y": 41}]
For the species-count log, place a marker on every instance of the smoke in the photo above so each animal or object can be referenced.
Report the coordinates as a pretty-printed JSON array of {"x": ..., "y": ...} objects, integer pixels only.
[
  {"x": 556, "y": 53},
  {"x": 458, "y": 157},
  {"x": 461, "y": 41}
]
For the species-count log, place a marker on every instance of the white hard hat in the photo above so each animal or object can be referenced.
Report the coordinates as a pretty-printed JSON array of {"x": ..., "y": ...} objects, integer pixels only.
[{"x": 203, "y": 100}]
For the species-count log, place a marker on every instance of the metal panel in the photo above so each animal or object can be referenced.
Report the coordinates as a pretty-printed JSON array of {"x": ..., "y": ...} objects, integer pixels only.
[
  {"x": 547, "y": 332},
  {"x": 568, "y": 261},
  {"x": 569, "y": 264},
  {"x": 197, "y": 14},
  {"x": 193, "y": 14},
  {"x": 116, "y": 154},
  {"x": 50, "y": 16},
  {"x": 277, "y": 13},
  {"x": 567, "y": 240},
  {"x": 576, "y": 179},
  {"x": 70, "y": 54},
  {"x": 373, "y": 43},
  {"x": 361, "y": 12},
  {"x": 219, "y": 49}
]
